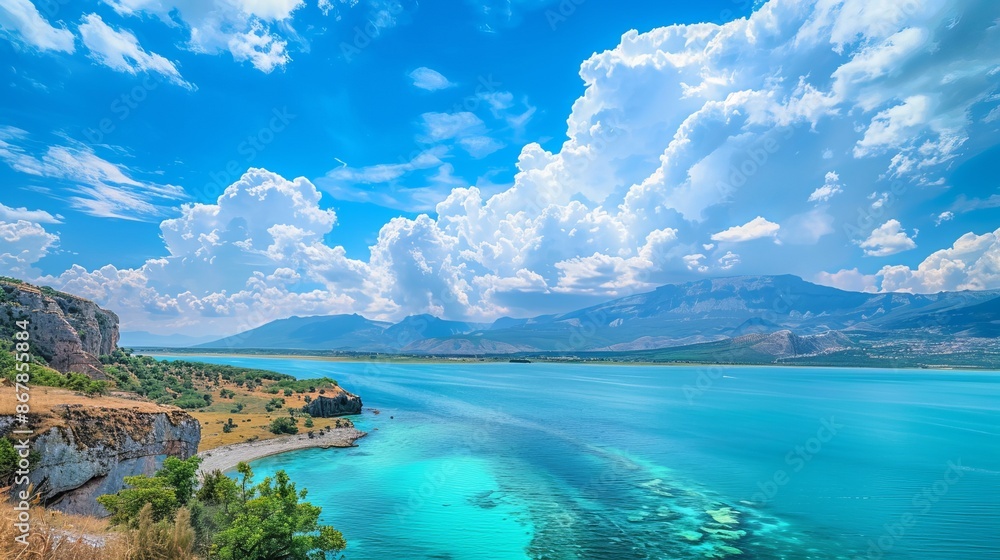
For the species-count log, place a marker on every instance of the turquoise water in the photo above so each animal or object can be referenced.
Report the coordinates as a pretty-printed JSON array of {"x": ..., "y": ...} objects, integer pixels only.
[{"x": 555, "y": 461}]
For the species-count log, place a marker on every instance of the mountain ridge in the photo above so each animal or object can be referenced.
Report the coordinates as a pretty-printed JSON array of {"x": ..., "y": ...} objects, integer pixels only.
[{"x": 715, "y": 311}]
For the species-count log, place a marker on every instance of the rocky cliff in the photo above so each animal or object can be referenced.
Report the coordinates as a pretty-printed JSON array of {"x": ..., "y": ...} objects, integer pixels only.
[
  {"x": 86, "y": 450},
  {"x": 67, "y": 331},
  {"x": 340, "y": 404},
  {"x": 85, "y": 446}
]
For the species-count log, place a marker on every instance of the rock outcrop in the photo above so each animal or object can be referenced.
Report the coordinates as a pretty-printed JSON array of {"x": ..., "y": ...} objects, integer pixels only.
[
  {"x": 341, "y": 404},
  {"x": 85, "y": 446},
  {"x": 85, "y": 451},
  {"x": 68, "y": 331}
]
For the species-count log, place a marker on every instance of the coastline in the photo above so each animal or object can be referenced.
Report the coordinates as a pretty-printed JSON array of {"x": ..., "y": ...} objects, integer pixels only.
[
  {"x": 226, "y": 458},
  {"x": 465, "y": 360}
]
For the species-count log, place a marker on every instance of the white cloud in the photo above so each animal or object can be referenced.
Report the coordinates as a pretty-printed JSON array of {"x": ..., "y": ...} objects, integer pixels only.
[
  {"x": 971, "y": 263},
  {"x": 849, "y": 279},
  {"x": 887, "y": 239},
  {"x": 251, "y": 30},
  {"x": 22, "y": 244},
  {"x": 255, "y": 255},
  {"x": 695, "y": 262},
  {"x": 8, "y": 214},
  {"x": 946, "y": 216},
  {"x": 878, "y": 199},
  {"x": 756, "y": 228},
  {"x": 430, "y": 80},
  {"x": 95, "y": 185},
  {"x": 21, "y": 20},
  {"x": 729, "y": 260},
  {"x": 120, "y": 51},
  {"x": 831, "y": 187}
]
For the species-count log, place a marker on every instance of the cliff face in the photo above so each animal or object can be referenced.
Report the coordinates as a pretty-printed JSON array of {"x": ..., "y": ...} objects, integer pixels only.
[
  {"x": 87, "y": 450},
  {"x": 335, "y": 405},
  {"x": 69, "y": 332}
]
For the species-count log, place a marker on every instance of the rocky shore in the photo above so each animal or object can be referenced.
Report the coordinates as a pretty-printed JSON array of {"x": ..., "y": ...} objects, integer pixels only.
[{"x": 227, "y": 457}]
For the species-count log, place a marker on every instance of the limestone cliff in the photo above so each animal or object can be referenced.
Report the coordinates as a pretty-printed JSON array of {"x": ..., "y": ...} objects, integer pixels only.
[
  {"x": 86, "y": 447},
  {"x": 340, "y": 404},
  {"x": 67, "y": 331}
]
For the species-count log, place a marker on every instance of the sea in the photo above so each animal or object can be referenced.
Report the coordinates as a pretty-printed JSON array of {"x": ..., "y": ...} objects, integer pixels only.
[{"x": 569, "y": 461}]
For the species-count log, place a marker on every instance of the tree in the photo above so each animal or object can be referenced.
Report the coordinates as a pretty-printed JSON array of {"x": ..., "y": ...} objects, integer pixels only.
[
  {"x": 171, "y": 487},
  {"x": 143, "y": 491},
  {"x": 272, "y": 521},
  {"x": 284, "y": 426},
  {"x": 182, "y": 476}
]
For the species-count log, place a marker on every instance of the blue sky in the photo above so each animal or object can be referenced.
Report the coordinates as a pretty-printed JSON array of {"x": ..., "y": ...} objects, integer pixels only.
[{"x": 478, "y": 159}]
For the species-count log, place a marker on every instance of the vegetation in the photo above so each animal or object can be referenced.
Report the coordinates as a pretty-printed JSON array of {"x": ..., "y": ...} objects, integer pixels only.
[
  {"x": 284, "y": 425},
  {"x": 43, "y": 375},
  {"x": 181, "y": 383},
  {"x": 225, "y": 519}
]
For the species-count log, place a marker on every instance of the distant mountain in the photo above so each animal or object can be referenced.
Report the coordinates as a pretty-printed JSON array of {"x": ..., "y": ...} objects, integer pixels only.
[
  {"x": 763, "y": 317},
  {"x": 978, "y": 320},
  {"x": 137, "y": 339},
  {"x": 419, "y": 327},
  {"x": 332, "y": 332},
  {"x": 713, "y": 309}
]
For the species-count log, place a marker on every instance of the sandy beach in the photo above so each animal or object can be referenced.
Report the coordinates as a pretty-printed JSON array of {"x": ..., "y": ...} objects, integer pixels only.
[{"x": 227, "y": 457}]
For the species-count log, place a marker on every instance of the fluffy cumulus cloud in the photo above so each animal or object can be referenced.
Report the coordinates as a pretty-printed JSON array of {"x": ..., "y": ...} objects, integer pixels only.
[
  {"x": 971, "y": 263},
  {"x": 887, "y": 239},
  {"x": 91, "y": 184},
  {"x": 21, "y": 21},
  {"x": 23, "y": 240},
  {"x": 678, "y": 130},
  {"x": 851, "y": 280},
  {"x": 254, "y": 31},
  {"x": 756, "y": 228},
  {"x": 255, "y": 255},
  {"x": 119, "y": 50}
]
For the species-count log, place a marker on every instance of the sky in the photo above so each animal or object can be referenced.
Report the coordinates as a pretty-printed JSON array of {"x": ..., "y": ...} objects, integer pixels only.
[{"x": 206, "y": 166}]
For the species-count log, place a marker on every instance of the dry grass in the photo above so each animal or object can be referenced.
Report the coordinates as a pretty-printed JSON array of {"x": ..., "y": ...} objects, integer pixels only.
[
  {"x": 61, "y": 537},
  {"x": 46, "y": 403},
  {"x": 254, "y": 420}
]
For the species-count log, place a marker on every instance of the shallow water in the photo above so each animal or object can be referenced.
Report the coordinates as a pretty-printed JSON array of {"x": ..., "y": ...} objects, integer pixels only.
[{"x": 601, "y": 461}]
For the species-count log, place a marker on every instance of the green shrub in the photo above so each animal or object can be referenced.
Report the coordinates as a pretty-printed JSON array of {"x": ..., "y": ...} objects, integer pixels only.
[{"x": 284, "y": 426}]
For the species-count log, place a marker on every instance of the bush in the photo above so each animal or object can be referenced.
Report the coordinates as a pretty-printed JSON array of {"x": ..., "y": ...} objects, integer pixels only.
[{"x": 284, "y": 426}]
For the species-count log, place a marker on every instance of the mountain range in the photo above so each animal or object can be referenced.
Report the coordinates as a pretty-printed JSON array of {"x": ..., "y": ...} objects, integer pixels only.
[{"x": 759, "y": 317}]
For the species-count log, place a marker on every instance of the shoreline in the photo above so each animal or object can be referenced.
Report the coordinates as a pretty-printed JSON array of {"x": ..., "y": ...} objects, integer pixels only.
[
  {"x": 226, "y": 458},
  {"x": 174, "y": 353}
]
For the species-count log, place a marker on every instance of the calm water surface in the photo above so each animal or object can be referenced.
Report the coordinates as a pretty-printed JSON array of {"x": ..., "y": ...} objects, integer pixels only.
[{"x": 507, "y": 461}]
